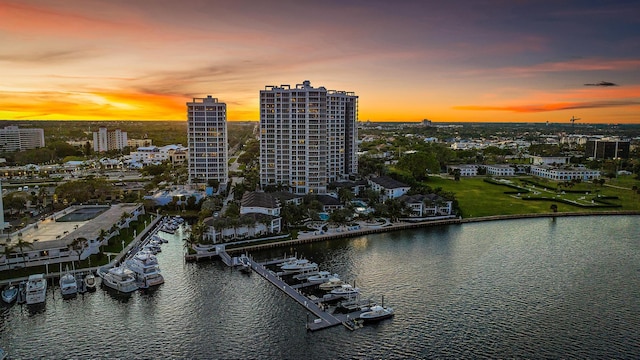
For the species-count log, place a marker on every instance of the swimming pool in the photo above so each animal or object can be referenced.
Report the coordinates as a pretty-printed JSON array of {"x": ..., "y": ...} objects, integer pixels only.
[{"x": 83, "y": 214}]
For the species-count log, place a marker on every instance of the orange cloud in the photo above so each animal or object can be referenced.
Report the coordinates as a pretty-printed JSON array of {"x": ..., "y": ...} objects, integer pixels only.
[
  {"x": 550, "y": 107},
  {"x": 97, "y": 105}
]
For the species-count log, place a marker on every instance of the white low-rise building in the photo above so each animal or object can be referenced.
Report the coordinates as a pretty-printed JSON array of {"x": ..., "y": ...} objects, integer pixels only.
[
  {"x": 500, "y": 170},
  {"x": 549, "y": 160},
  {"x": 388, "y": 188},
  {"x": 465, "y": 170},
  {"x": 148, "y": 155},
  {"x": 427, "y": 205},
  {"x": 565, "y": 174}
]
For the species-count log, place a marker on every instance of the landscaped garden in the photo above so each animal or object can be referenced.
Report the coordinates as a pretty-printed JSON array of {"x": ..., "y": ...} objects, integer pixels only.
[{"x": 524, "y": 195}]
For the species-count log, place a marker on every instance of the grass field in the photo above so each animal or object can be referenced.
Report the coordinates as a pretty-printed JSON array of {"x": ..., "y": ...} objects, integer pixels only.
[{"x": 479, "y": 198}]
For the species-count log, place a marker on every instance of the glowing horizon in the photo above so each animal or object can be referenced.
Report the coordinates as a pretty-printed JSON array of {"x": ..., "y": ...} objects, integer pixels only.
[{"x": 522, "y": 62}]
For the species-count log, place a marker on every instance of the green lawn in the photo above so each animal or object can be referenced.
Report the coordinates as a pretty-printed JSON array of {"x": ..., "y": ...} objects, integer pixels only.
[{"x": 478, "y": 198}]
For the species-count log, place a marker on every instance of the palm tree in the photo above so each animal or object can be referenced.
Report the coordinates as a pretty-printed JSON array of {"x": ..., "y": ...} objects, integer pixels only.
[
  {"x": 6, "y": 252},
  {"x": 101, "y": 236},
  {"x": 78, "y": 245},
  {"x": 123, "y": 218},
  {"x": 21, "y": 244}
]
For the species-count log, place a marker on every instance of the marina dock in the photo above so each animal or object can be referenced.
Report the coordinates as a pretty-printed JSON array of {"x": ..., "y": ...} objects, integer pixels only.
[
  {"x": 326, "y": 320},
  {"x": 317, "y": 306}
]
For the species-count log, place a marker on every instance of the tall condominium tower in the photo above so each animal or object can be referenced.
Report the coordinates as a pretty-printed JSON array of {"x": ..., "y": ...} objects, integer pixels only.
[
  {"x": 207, "y": 136},
  {"x": 307, "y": 137},
  {"x": 104, "y": 140}
]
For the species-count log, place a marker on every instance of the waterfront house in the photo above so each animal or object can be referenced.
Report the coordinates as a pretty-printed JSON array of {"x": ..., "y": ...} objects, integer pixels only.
[
  {"x": 388, "y": 188},
  {"x": 427, "y": 205}
]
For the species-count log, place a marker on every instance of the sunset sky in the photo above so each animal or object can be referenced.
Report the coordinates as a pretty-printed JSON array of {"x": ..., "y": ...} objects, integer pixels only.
[{"x": 454, "y": 60}]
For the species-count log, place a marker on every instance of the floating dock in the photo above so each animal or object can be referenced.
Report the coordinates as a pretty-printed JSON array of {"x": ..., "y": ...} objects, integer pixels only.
[{"x": 325, "y": 320}]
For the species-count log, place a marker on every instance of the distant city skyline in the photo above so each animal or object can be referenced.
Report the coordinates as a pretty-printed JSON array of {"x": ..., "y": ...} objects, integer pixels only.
[{"x": 447, "y": 61}]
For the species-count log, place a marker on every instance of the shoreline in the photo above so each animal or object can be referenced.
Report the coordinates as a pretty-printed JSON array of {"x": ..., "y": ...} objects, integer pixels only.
[{"x": 408, "y": 225}]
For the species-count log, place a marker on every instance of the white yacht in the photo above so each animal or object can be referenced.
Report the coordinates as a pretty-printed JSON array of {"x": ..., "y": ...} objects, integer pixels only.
[
  {"x": 292, "y": 263},
  {"x": 119, "y": 278},
  {"x": 376, "y": 313},
  {"x": 145, "y": 268},
  {"x": 299, "y": 266},
  {"x": 331, "y": 284},
  {"x": 345, "y": 290},
  {"x": 36, "y": 289},
  {"x": 322, "y": 277},
  {"x": 245, "y": 264},
  {"x": 68, "y": 285}
]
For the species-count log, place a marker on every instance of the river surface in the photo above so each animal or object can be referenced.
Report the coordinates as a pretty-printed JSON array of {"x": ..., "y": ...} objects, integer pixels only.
[{"x": 532, "y": 288}]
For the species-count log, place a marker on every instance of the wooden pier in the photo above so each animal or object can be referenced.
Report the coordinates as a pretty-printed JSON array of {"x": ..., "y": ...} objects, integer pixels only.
[
  {"x": 324, "y": 320},
  {"x": 312, "y": 304}
]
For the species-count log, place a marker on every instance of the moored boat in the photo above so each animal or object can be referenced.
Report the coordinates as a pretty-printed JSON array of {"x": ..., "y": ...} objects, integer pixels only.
[
  {"x": 146, "y": 269},
  {"x": 301, "y": 265},
  {"x": 90, "y": 282},
  {"x": 68, "y": 285},
  {"x": 36, "y": 292},
  {"x": 345, "y": 290},
  {"x": 118, "y": 278},
  {"x": 331, "y": 284},
  {"x": 10, "y": 293},
  {"x": 377, "y": 313},
  {"x": 245, "y": 265},
  {"x": 322, "y": 277}
]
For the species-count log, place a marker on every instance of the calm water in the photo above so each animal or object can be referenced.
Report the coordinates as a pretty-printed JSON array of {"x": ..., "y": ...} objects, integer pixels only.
[{"x": 535, "y": 288}]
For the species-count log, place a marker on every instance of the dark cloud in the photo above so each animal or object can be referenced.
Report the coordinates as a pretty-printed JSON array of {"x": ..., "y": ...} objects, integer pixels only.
[{"x": 602, "y": 83}]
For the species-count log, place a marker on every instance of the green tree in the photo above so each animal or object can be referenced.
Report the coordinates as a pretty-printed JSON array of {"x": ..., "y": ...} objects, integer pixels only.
[
  {"x": 368, "y": 165},
  {"x": 23, "y": 244},
  {"x": 419, "y": 165},
  {"x": 78, "y": 245},
  {"x": 7, "y": 250},
  {"x": 345, "y": 195}
]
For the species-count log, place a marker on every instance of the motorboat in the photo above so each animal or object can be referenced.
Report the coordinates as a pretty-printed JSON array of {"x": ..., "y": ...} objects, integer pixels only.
[
  {"x": 68, "y": 285},
  {"x": 376, "y": 313},
  {"x": 146, "y": 269},
  {"x": 245, "y": 264},
  {"x": 36, "y": 292},
  {"x": 301, "y": 265},
  {"x": 293, "y": 263},
  {"x": 345, "y": 290},
  {"x": 331, "y": 284},
  {"x": 90, "y": 282},
  {"x": 153, "y": 248},
  {"x": 119, "y": 278},
  {"x": 10, "y": 293},
  {"x": 322, "y": 277},
  {"x": 306, "y": 274},
  {"x": 159, "y": 239}
]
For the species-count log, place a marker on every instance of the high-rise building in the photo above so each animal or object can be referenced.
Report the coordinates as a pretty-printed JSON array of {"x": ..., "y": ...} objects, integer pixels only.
[
  {"x": 12, "y": 138},
  {"x": 105, "y": 140},
  {"x": 207, "y": 136},
  {"x": 607, "y": 149},
  {"x": 307, "y": 137}
]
